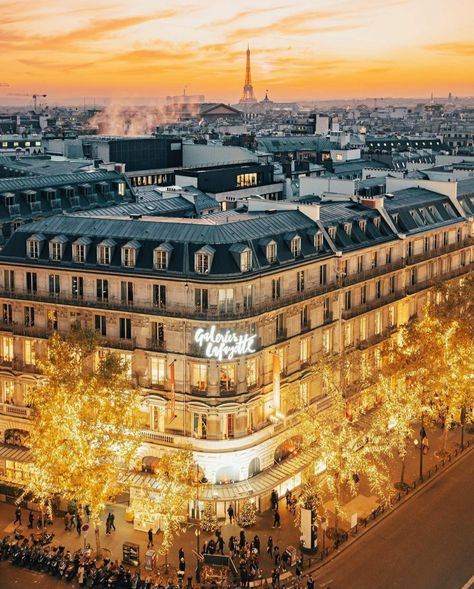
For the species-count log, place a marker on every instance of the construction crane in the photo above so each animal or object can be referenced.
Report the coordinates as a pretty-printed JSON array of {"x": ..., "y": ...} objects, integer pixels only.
[{"x": 33, "y": 96}]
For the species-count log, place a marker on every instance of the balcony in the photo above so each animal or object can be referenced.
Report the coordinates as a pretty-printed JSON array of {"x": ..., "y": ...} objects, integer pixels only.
[
  {"x": 16, "y": 410},
  {"x": 361, "y": 309},
  {"x": 156, "y": 345},
  {"x": 119, "y": 343},
  {"x": 436, "y": 253}
]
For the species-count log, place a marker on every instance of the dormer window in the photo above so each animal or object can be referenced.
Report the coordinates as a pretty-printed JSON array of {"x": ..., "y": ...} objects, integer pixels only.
[
  {"x": 80, "y": 249},
  {"x": 318, "y": 241},
  {"x": 129, "y": 254},
  {"x": 246, "y": 260},
  {"x": 271, "y": 252},
  {"x": 30, "y": 196},
  {"x": 161, "y": 256},
  {"x": 332, "y": 232},
  {"x": 363, "y": 225},
  {"x": 296, "y": 246},
  {"x": 56, "y": 248},
  {"x": 348, "y": 228},
  {"x": 104, "y": 252},
  {"x": 33, "y": 246},
  {"x": 377, "y": 222},
  {"x": 203, "y": 259}
]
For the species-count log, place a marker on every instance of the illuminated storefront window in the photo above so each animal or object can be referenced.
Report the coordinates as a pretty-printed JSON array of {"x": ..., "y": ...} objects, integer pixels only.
[
  {"x": 227, "y": 377},
  {"x": 199, "y": 376},
  {"x": 247, "y": 180},
  {"x": 158, "y": 371}
]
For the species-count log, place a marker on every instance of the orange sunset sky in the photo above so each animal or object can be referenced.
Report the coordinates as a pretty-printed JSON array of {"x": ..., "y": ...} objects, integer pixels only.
[{"x": 300, "y": 50}]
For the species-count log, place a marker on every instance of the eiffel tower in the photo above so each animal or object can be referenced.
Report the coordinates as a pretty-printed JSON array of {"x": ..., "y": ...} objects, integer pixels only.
[{"x": 248, "y": 95}]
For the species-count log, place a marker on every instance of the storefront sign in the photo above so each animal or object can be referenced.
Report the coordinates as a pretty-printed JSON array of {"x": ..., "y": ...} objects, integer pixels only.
[{"x": 224, "y": 345}]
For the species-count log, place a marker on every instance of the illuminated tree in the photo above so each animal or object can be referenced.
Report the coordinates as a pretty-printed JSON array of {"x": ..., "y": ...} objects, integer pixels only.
[
  {"x": 247, "y": 514},
  {"x": 349, "y": 447},
  {"x": 167, "y": 495},
  {"x": 85, "y": 423},
  {"x": 209, "y": 518}
]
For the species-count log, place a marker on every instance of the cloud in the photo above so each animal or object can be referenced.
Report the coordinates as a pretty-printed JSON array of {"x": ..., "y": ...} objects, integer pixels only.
[
  {"x": 243, "y": 14},
  {"x": 459, "y": 48},
  {"x": 57, "y": 66},
  {"x": 293, "y": 24}
]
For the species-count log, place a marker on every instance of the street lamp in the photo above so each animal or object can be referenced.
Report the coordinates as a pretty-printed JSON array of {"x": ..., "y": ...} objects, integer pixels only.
[
  {"x": 198, "y": 550},
  {"x": 420, "y": 443}
]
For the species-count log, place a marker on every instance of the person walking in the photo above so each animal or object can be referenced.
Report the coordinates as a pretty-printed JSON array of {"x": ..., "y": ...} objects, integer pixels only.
[
  {"x": 288, "y": 498},
  {"x": 150, "y": 538},
  {"x": 17, "y": 516},
  {"x": 31, "y": 519},
  {"x": 180, "y": 554},
  {"x": 181, "y": 567},
  {"x": 220, "y": 545},
  {"x": 274, "y": 499},
  {"x": 107, "y": 525},
  {"x": 256, "y": 543},
  {"x": 276, "y": 519},
  {"x": 310, "y": 582},
  {"x": 112, "y": 521},
  {"x": 78, "y": 525},
  {"x": 230, "y": 513},
  {"x": 270, "y": 546},
  {"x": 242, "y": 539},
  {"x": 67, "y": 521}
]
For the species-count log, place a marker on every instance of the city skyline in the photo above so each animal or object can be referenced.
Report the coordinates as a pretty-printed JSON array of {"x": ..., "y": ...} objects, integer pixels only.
[{"x": 331, "y": 50}]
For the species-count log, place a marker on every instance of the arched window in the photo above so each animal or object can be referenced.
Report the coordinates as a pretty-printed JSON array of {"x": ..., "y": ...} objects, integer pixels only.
[{"x": 254, "y": 466}]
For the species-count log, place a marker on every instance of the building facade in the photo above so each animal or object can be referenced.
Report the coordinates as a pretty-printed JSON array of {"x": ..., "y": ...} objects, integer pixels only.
[{"x": 221, "y": 319}]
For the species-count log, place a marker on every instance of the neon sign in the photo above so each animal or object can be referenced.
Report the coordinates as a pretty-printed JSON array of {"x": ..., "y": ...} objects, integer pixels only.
[{"x": 224, "y": 345}]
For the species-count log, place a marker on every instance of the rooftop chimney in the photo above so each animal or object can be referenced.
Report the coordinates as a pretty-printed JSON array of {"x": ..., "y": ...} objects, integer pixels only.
[{"x": 372, "y": 202}]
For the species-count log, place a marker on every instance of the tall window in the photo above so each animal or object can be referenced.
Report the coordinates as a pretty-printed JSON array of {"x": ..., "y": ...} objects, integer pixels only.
[
  {"x": 54, "y": 284},
  {"x": 326, "y": 309},
  {"x": 388, "y": 255},
  {"x": 9, "y": 280},
  {"x": 160, "y": 259},
  {"x": 248, "y": 296},
  {"x": 296, "y": 245},
  {"x": 79, "y": 253},
  {"x": 29, "y": 355},
  {"x": 126, "y": 292},
  {"x": 363, "y": 294},
  {"x": 159, "y": 296},
  {"x": 199, "y": 376},
  {"x": 276, "y": 288},
  {"x": 252, "y": 372},
  {"x": 348, "y": 300},
  {"x": 29, "y": 316},
  {"x": 77, "y": 287},
  {"x": 6, "y": 342},
  {"x": 392, "y": 284},
  {"x": 280, "y": 325},
  {"x": 327, "y": 341},
  {"x": 318, "y": 241},
  {"x": 52, "y": 319},
  {"x": 201, "y": 299},
  {"x": 31, "y": 282},
  {"x": 271, "y": 252},
  {"x": 7, "y": 313},
  {"x": 378, "y": 323},
  {"x": 55, "y": 251},
  {"x": 129, "y": 257},
  {"x": 33, "y": 248},
  {"x": 363, "y": 328},
  {"x": 378, "y": 289},
  {"x": 305, "y": 350},
  {"x": 202, "y": 263},
  {"x": 323, "y": 274},
  {"x": 101, "y": 324},
  {"x": 226, "y": 300},
  {"x": 158, "y": 371},
  {"x": 246, "y": 260},
  {"x": 227, "y": 377},
  {"x": 157, "y": 332},
  {"x": 104, "y": 254},
  {"x": 360, "y": 263},
  {"x": 125, "y": 328},
  {"x": 304, "y": 317},
  {"x": 102, "y": 290},
  {"x": 300, "y": 281}
]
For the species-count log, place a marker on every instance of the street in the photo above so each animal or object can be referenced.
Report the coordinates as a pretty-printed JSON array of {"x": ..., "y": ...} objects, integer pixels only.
[{"x": 427, "y": 543}]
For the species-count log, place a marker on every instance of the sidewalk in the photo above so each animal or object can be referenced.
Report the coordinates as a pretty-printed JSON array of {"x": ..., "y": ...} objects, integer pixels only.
[{"x": 286, "y": 535}]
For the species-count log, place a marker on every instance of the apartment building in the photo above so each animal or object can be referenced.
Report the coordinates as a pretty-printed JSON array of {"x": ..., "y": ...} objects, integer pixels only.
[{"x": 222, "y": 318}]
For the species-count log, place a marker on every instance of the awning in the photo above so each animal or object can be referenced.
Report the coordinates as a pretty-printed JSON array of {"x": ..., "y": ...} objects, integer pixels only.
[
  {"x": 15, "y": 453},
  {"x": 263, "y": 482}
]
